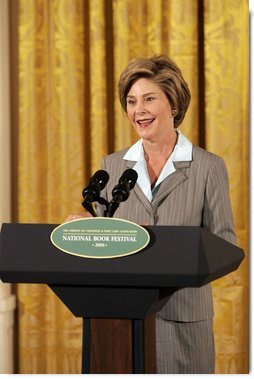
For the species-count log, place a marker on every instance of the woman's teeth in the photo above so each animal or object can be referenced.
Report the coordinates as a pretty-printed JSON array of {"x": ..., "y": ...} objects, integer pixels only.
[{"x": 146, "y": 122}]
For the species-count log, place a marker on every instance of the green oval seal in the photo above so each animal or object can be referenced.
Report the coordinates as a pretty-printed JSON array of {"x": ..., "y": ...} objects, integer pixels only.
[{"x": 100, "y": 237}]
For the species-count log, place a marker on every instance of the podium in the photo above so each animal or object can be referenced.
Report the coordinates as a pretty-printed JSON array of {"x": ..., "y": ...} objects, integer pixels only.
[{"x": 117, "y": 295}]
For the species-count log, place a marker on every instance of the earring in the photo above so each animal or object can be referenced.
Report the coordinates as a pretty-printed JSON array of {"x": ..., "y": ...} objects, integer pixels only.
[{"x": 173, "y": 112}]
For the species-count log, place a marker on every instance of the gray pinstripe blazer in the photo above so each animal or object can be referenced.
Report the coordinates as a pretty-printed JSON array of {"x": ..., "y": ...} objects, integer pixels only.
[{"x": 196, "y": 194}]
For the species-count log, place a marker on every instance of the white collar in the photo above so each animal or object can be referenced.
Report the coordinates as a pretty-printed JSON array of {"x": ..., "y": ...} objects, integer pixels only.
[{"x": 181, "y": 152}]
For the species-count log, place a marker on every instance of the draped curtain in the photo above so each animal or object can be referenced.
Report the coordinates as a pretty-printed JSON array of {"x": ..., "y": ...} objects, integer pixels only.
[
  {"x": 69, "y": 56},
  {"x": 7, "y": 299}
]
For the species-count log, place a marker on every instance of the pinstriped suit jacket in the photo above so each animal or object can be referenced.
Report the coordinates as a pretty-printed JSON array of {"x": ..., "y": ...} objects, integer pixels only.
[{"x": 196, "y": 194}]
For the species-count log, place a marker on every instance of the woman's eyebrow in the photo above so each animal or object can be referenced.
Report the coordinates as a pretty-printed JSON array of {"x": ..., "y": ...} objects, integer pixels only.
[{"x": 145, "y": 94}]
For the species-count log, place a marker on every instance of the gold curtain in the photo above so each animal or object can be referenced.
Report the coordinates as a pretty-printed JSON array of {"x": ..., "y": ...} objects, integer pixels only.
[
  {"x": 227, "y": 134},
  {"x": 70, "y": 55}
]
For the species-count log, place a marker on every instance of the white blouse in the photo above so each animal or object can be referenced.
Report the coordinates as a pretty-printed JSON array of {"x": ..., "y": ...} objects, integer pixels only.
[{"x": 181, "y": 152}]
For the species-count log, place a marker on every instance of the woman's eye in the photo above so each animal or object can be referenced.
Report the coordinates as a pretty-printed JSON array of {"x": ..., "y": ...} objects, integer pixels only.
[
  {"x": 149, "y": 98},
  {"x": 130, "y": 102}
]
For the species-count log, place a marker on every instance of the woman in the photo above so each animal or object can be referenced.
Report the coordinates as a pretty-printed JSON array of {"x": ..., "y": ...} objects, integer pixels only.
[{"x": 178, "y": 184}]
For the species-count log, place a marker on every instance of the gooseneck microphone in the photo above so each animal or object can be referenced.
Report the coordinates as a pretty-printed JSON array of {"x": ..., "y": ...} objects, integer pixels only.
[
  {"x": 92, "y": 191},
  {"x": 121, "y": 191}
]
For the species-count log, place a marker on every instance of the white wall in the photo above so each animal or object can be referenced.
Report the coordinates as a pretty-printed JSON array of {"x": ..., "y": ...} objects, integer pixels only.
[{"x": 7, "y": 300}]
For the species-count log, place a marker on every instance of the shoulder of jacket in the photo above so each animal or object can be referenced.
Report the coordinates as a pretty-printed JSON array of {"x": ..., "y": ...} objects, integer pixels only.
[
  {"x": 201, "y": 154},
  {"x": 116, "y": 155}
]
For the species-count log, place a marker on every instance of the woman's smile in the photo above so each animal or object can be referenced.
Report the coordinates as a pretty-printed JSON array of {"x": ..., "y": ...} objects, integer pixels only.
[{"x": 145, "y": 122}]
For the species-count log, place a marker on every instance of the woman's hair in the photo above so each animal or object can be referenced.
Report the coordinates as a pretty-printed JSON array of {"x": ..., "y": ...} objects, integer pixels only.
[{"x": 165, "y": 73}]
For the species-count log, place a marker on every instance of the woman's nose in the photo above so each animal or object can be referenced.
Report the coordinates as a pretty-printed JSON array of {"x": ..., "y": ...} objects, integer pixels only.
[{"x": 140, "y": 107}]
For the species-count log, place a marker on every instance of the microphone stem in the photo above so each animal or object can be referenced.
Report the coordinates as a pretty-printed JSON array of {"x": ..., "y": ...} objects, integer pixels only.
[
  {"x": 113, "y": 205},
  {"x": 88, "y": 206},
  {"x": 115, "y": 202}
]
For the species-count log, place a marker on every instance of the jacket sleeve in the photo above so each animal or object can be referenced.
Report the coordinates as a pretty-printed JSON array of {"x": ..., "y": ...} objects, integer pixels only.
[{"x": 217, "y": 216}]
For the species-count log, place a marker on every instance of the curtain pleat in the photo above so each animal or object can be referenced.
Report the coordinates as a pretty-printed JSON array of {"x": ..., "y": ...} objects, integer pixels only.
[
  {"x": 71, "y": 53},
  {"x": 7, "y": 299},
  {"x": 51, "y": 166},
  {"x": 227, "y": 134}
]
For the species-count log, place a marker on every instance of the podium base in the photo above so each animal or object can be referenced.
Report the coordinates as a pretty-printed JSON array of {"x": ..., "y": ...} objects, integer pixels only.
[{"x": 117, "y": 346}]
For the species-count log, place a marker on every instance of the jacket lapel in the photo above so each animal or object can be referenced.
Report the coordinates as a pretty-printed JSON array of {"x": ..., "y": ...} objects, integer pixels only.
[
  {"x": 167, "y": 186},
  {"x": 138, "y": 191},
  {"x": 172, "y": 181}
]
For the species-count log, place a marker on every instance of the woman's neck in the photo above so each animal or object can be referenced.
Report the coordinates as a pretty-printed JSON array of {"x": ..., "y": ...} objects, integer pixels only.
[
  {"x": 160, "y": 150},
  {"x": 156, "y": 155}
]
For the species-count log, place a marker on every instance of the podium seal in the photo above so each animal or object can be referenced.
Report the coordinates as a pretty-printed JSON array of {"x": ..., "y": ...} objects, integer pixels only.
[{"x": 100, "y": 237}]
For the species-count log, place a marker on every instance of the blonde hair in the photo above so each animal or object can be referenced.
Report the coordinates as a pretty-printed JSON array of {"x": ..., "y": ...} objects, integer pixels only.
[{"x": 165, "y": 73}]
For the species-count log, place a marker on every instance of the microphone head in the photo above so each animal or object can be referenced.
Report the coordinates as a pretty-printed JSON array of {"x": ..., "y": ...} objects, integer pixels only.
[
  {"x": 130, "y": 176},
  {"x": 101, "y": 177},
  {"x": 96, "y": 183},
  {"x": 121, "y": 191}
]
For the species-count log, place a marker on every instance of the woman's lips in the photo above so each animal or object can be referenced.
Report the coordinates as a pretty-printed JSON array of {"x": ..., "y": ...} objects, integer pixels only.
[{"x": 144, "y": 123}]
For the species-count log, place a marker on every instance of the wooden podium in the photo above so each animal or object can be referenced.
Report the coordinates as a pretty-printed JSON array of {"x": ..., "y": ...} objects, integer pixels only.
[{"x": 117, "y": 298}]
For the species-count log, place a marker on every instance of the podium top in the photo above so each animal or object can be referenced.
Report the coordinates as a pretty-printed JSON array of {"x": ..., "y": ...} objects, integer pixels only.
[{"x": 177, "y": 256}]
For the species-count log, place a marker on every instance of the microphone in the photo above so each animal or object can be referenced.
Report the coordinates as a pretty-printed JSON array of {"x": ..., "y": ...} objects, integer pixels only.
[
  {"x": 121, "y": 191},
  {"x": 92, "y": 192}
]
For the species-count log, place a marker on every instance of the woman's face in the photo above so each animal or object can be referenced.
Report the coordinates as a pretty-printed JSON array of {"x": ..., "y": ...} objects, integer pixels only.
[{"x": 149, "y": 111}]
